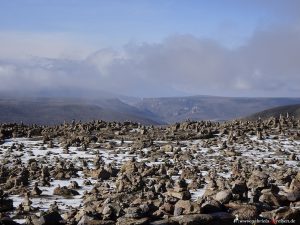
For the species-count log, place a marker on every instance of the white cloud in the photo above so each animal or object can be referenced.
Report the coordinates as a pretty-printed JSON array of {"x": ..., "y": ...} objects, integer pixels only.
[
  {"x": 267, "y": 65},
  {"x": 104, "y": 58},
  {"x": 21, "y": 45}
]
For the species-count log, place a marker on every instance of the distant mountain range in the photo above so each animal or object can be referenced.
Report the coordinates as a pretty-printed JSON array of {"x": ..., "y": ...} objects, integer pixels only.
[
  {"x": 55, "y": 110},
  {"x": 291, "y": 110},
  {"x": 209, "y": 107}
]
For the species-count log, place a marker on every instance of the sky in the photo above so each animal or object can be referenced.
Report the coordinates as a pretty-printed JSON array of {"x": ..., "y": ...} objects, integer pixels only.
[{"x": 151, "y": 48}]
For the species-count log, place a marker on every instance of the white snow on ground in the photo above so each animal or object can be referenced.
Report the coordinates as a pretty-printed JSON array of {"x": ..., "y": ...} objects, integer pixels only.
[{"x": 34, "y": 148}]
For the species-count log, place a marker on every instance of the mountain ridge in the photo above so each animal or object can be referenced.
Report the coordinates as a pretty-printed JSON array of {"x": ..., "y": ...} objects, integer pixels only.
[
  {"x": 155, "y": 111},
  {"x": 50, "y": 111},
  {"x": 177, "y": 109},
  {"x": 291, "y": 110}
]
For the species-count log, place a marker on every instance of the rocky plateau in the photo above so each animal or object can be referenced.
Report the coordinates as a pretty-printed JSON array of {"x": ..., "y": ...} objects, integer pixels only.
[{"x": 126, "y": 173}]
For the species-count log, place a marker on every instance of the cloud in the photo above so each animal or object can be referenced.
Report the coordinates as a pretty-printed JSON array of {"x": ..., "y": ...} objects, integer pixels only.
[
  {"x": 21, "y": 45},
  {"x": 268, "y": 64}
]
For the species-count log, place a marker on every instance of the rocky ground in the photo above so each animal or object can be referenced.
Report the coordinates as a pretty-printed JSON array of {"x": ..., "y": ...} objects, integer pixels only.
[{"x": 126, "y": 173}]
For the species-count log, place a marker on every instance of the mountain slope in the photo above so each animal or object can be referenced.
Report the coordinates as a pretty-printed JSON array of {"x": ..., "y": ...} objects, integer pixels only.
[
  {"x": 49, "y": 110},
  {"x": 176, "y": 109},
  {"x": 292, "y": 110},
  {"x": 55, "y": 111}
]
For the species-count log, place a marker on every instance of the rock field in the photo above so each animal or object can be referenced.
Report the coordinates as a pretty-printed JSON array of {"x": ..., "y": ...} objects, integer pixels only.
[{"x": 126, "y": 173}]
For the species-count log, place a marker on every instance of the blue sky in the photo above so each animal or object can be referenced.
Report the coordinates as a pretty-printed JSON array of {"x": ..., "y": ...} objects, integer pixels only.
[
  {"x": 151, "y": 47},
  {"x": 117, "y": 22}
]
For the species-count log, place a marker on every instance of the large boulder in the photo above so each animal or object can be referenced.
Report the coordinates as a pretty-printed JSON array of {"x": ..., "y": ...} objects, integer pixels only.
[
  {"x": 101, "y": 173},
  {"x": 64, "y": 191},
  {"x": 245, "y": 212},
  {"x": 187, "y": 207},
  {"x": 5, "y": 203},
  {"x": 183, "y": 195},
  {"x": 258, "y": 180},
  {"x": 129, "y": 167},
  {"x": 285, "y": 213},
  {"x": 211, "y": 207},
  {"x": 132, "y": 221},
  {"x": 7, "y": 221},
  {"x": 49, "y": 218},
  {"x": 221, "y": 218},
  {"x": 224, "y": 196}
]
